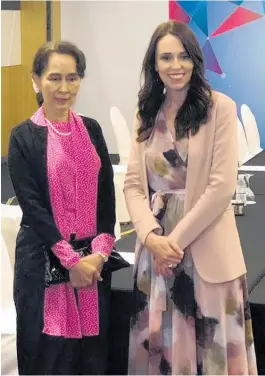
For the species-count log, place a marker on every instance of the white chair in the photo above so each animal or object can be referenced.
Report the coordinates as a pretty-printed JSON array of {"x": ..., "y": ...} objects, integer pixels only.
[
  {"x": 121, "y": 208},
  {"x": 117, "y": 229},
  {"x": 248, "y": 136},
  {"x": 251, "y": 130},
  {"x": 10, "y": 223},
  {"x": 122, "y": 134},
  {"x": 243, "y": 152},
  {"x": 8, "y": 314}
]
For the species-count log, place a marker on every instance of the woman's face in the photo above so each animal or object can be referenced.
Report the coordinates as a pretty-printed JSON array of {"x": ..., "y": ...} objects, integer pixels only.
[
  {"x": 59, "y": 83},
  {"x": 173, "y": 64}
]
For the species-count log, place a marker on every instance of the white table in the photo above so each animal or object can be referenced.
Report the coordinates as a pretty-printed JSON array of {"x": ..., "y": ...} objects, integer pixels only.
[{"x": 252, "y": 168}]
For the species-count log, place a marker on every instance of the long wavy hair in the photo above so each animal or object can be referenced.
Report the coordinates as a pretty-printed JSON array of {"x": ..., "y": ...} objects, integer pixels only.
[{"x": 195, "y": 110}]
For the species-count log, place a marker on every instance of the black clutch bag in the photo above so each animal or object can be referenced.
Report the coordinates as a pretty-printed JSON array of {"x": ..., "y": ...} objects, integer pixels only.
[{"x": 55, "y": 273}]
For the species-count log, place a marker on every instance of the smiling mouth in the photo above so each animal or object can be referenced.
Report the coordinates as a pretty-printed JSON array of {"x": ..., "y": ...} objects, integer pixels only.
[
  {"x": 62, "y": 99},
  {"x": 177, "y": 76}
]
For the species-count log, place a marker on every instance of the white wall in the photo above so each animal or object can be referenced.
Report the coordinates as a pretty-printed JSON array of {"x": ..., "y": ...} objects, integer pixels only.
[
  {"x": 10, "y": 38},
  {"x": 114, "y": 36}
]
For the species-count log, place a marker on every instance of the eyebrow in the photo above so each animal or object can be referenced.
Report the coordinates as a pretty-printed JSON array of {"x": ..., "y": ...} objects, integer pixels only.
[
  {"x": 171, "y": 53},
  {"x": 57, "y": 74}
]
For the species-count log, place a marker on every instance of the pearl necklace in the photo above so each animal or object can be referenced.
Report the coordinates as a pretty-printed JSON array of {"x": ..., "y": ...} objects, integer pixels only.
[{"x": 56, "y": 130}]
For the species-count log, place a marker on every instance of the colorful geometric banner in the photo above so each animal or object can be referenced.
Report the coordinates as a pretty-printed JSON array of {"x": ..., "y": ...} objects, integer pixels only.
[{"x": 231, "y": 35}]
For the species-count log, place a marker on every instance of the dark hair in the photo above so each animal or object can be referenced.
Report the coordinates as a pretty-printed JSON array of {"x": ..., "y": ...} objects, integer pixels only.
[
  {"x": 39, "y": 99},
  {"x": 43, "y": 54},
  {"x": 195, "y": 110}
]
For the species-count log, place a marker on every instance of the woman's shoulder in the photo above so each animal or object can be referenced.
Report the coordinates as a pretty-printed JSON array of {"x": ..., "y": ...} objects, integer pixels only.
[
  {"x": 22, "y": 128},
  {"x": 222, "y": 100},
  {"x": 25, "y": 127},
  {"x": 91, "y": 124},
  {"x": 26, "y": 133}
]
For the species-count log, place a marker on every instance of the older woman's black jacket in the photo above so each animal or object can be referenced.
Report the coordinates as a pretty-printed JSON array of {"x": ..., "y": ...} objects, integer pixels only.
[{"x": 28, "y": 170}]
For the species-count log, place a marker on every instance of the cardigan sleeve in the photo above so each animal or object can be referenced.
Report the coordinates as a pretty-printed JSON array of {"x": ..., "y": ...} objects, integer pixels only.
[
  {"x": 27, "y": 190},
  {"x": 106, "y": 217},
  {"x": 138, "y": 205}
]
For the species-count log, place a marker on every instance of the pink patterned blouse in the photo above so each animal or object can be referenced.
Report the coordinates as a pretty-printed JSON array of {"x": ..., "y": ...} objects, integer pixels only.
[{"x": 73, "y": 166}]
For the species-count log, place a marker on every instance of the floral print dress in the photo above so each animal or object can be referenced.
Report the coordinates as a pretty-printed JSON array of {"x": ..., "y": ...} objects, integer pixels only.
[{"x": 183, "y": 325}]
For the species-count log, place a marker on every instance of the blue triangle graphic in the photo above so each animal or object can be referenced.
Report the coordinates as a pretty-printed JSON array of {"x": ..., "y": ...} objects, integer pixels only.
[
  {"x": 237, "y": 2},
  {"x": 198, "y": 32},
  {"x": 217, "y": 12},
  {"x": 255, "y": 6},
  {"x": 200, "y": 17},
  {"x": 189, "y": 6}
]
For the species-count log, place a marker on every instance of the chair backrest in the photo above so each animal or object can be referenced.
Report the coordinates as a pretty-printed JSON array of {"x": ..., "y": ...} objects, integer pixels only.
[
  {"x": 243, "y": 153},
  {"x": 122, "y": 134},
  {"x": 251, "y": 130}
]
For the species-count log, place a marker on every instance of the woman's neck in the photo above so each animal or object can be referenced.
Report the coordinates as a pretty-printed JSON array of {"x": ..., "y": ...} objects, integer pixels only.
[
  {"x": 53, "y": 115},
  {"x": 174, "y": 99}
]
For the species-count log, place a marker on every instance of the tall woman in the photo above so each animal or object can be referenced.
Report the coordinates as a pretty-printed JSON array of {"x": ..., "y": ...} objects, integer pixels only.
[{"x": 191, "y": 310}]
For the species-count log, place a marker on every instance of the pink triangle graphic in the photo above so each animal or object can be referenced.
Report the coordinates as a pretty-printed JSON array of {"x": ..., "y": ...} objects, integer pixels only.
[
  {"x": 240, "y": 16},
  {"x": 176, "y": 12}
]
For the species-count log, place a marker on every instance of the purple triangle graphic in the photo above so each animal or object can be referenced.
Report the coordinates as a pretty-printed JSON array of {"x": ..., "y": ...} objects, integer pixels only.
[{"x": 211, "y": 62}]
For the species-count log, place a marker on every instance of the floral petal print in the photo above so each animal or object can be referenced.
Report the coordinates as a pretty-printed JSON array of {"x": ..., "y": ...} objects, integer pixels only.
[
  {"x": 160, "y": 166},
  {"x": 231, "y": 305}
]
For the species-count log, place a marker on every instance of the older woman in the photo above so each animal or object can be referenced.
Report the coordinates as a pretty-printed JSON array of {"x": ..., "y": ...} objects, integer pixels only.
[{"x": 63, "y": 179}]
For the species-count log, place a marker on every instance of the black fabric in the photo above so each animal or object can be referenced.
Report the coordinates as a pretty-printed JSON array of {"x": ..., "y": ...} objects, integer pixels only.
[
  {"x": 121, "y": 306},
  {"x": 7, "y": 190},
  {"x": 258, "y": 318},
  {"x": 37, "y": 353},
  {"x": 28, "y": 171},
  {"x": 27, "y": 161}
]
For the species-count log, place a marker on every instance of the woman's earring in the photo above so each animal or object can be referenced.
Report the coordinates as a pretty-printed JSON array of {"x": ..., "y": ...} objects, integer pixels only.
[
  {"x": 35, "y": 87},
  {"x": 164, "y": 90}
]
